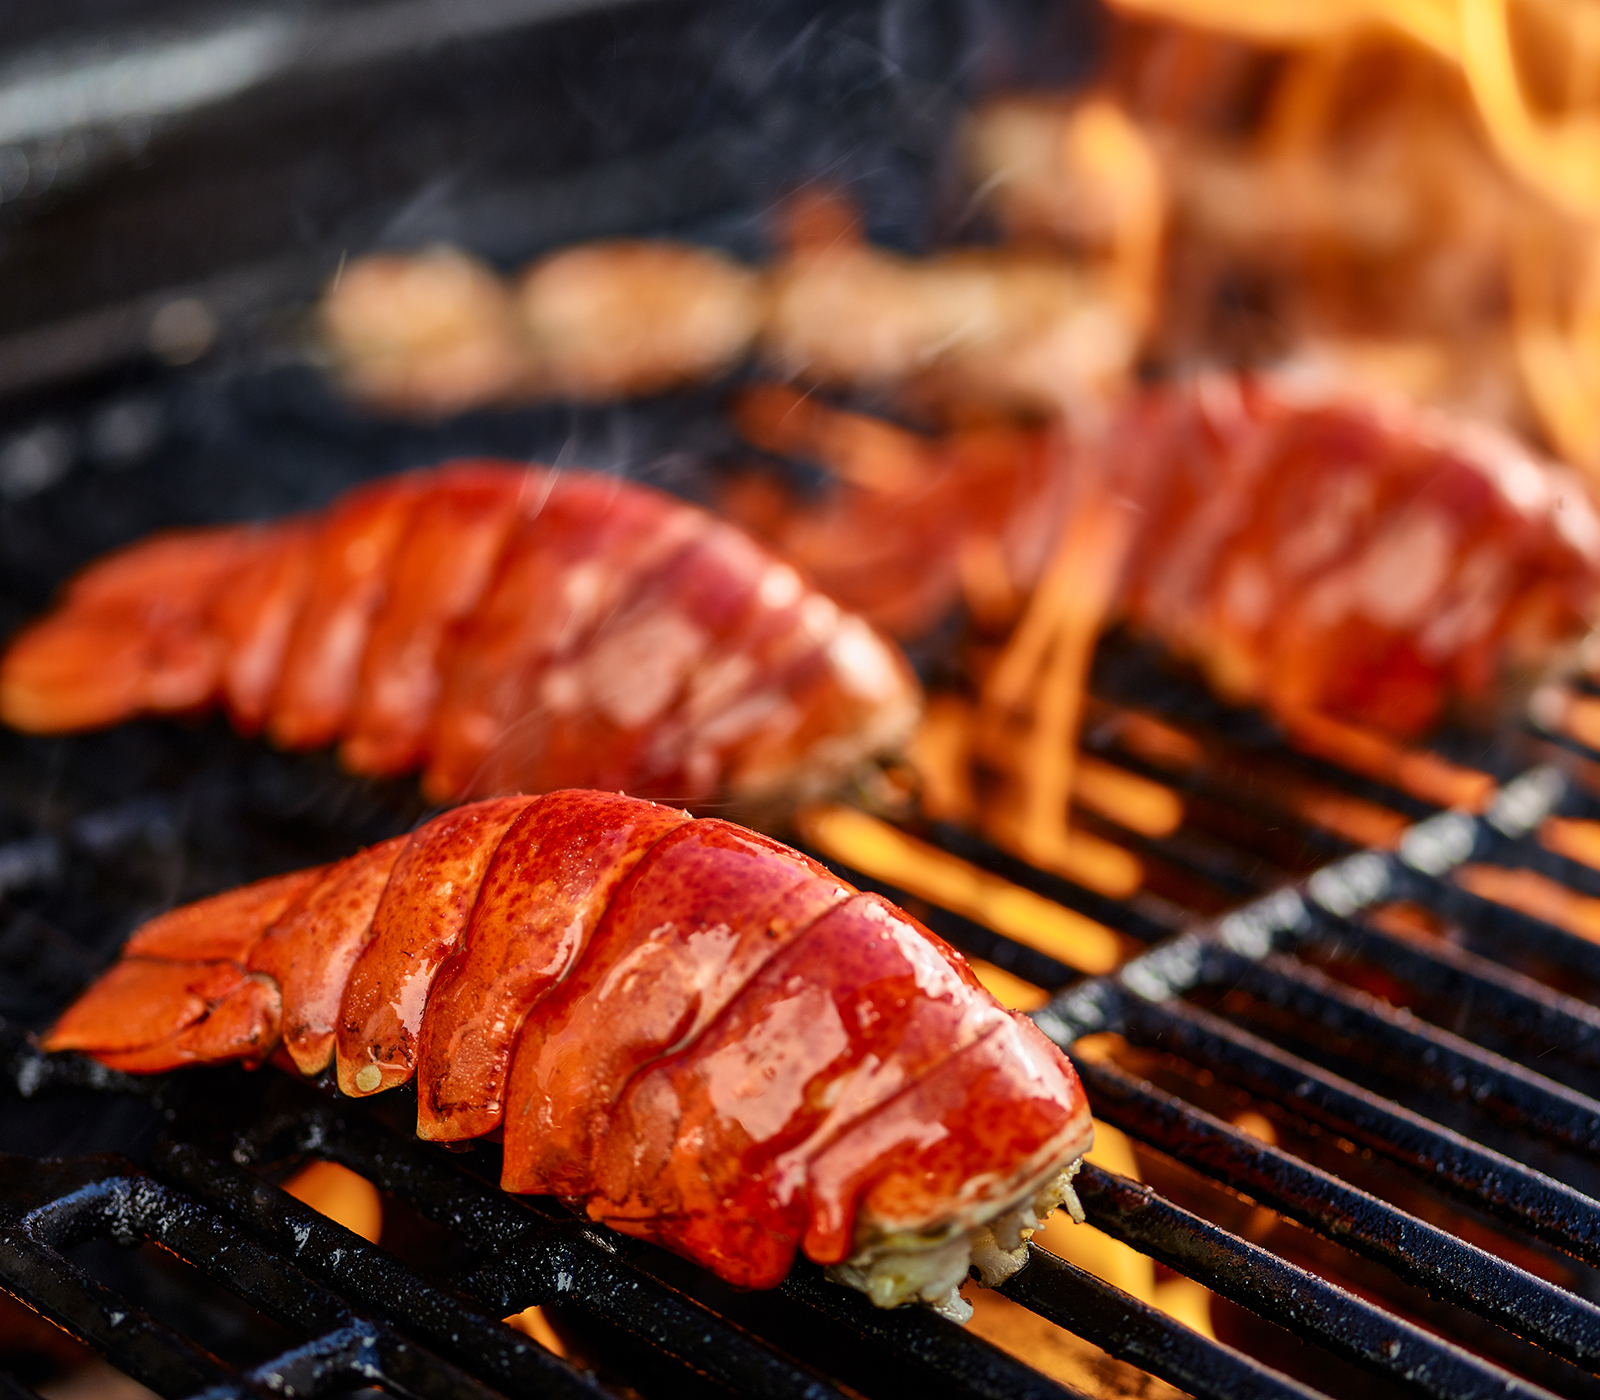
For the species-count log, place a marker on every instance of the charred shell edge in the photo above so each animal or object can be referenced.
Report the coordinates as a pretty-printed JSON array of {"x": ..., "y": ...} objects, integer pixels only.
[{"x": 930, "y": 1267}]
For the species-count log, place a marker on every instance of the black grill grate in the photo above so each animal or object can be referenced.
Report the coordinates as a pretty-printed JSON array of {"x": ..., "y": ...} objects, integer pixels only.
[
  {"x": 202, "y": 1191},
  {"x": 1429, "y": 1222}
]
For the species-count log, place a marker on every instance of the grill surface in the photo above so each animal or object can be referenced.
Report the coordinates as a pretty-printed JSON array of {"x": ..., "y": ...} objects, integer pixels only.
[
  {"x": 1240, "y": 998},
  {"x": 1427, "y": 1220}
]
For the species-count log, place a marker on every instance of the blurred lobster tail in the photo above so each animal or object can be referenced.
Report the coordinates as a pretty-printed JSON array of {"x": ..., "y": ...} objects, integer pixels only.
[
  {"x": 1352, "y": 556},
  {"x": 500, "y": 627}
]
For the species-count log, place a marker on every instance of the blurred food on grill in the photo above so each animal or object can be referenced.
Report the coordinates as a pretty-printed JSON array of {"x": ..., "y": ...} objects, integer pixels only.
[
  {"x": 702, "y": 1036},
  {"x": 1413, "y": 188},
  {"x": 437, "y": 332},
  {"x": 501, "y": 627},
  {"x": 1406, "y": 190},
  {"x": 1366, "y": 205},
  {"x": 915, "y": 522},
  {"x": 1356, "y": 565},
  {"x": 1403, "y": 191}
]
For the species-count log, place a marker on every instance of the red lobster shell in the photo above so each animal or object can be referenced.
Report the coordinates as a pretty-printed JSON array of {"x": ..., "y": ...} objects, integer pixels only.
[
  {"x": 704, "y": 1035},
  {"x": 1313, "y": 550},
  {"x": 1349, "y": 555},
  {"x": 506, "y": 628}
]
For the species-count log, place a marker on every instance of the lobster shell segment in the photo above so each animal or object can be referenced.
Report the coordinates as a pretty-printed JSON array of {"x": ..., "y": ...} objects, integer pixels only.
[
  {"x": 729, "y": 898},
  {"x": 503, "y": 628},
  {"x": 419, "y": 919},
  {"x": 703, "y": 1036},
  {"x": 310, "y": 950}
]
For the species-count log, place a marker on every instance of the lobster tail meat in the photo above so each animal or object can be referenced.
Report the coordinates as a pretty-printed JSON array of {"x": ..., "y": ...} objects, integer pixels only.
[
  {"x": 704, "y": 1036},
  {"x": 883, "y": 1195},
  {"x": 502, "y": 628}
]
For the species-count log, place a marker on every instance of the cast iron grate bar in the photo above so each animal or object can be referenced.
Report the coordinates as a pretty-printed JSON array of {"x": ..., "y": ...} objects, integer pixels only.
[
  {"x": 1465, "y": 1169},
  {"x": 105, "y": 1196},
  {"x": 1133, "y": 1331},
  {"x": 1234, "y": 872},
  {"x": 586, "y": 1270},
  {"x": 1291, "y": 1296},
  {"x": 541, "y": 1257},
  {"x": 135, "y": 1343},
  {"x": 1137, "y": 678},
  {"x": 927, "y": 1341},
  {"x": 442, "y": 1318},
  {"x": 1490, "y": 926},
  {"x": 1574, "y": 874},
  {"x": 1431, "y": 848},
  {"x": 356, "y": 1357},
  {"x": 1222, "y": 782},
  {"x": 1142, "y": 915},
  {"x": 1536, "y": 1014},
  {"x": 1414, "y": 1250},
  {"x": 1423, "y": 1055}
]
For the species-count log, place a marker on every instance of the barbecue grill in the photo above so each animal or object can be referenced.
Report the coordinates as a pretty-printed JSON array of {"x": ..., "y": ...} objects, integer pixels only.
[{"x": 1363, "y": 1093}]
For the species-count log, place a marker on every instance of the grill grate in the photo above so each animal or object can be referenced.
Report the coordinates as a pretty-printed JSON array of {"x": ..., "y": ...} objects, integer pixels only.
[
  {"x": 203, "y": 1190},
  {"x": 1428, "y": 1223},
  {"x": 399, "y": 1329}
]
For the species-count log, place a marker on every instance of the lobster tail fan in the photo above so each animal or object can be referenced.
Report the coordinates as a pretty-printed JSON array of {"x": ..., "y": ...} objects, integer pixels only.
[
  {"x": 131, "y": 636},
  {"x": 144, "y": 1015},
  {"x": 183, "y": 991}
]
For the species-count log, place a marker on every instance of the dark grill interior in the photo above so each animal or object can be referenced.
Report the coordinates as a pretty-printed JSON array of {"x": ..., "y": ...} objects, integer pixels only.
[{"x": 1306, "y": 965}]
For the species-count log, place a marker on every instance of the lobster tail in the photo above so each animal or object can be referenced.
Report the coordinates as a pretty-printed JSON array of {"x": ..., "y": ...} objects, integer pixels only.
[
  {"x": 502, "y": 628},
  {"x": 181, "y": 992},
  {"x": 704, "y": 1035},
  {"x": 132, "y": 635}
]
